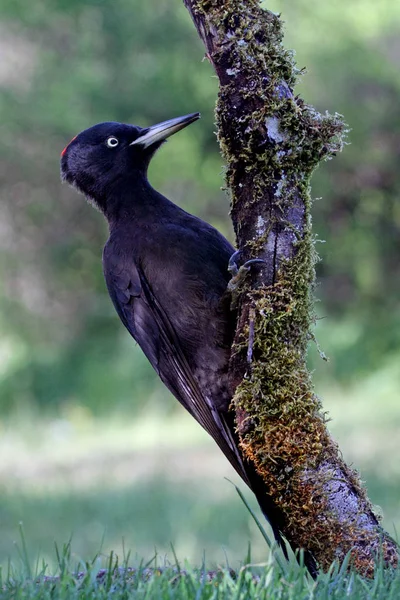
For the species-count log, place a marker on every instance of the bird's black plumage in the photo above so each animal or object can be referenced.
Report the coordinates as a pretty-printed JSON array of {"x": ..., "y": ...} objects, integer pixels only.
[{"x": 166, "y": 273}]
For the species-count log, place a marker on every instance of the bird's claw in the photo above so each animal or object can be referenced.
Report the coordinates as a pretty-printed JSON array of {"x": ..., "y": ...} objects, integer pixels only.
[
  {"x": 239, "y": 273},
  {"x": 232, "y": 264}
]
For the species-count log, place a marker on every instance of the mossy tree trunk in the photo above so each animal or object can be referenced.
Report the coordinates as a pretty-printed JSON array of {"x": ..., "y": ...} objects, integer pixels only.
[{"x": 272, "y": 142}]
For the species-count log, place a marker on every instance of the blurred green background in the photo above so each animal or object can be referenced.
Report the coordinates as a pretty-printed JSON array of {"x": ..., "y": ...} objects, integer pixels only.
[{"x": 91, "y": 444}]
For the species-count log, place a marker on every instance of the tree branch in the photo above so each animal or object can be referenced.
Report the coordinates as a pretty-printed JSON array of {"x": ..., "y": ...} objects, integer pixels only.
[{"x": 272, "y": 142}]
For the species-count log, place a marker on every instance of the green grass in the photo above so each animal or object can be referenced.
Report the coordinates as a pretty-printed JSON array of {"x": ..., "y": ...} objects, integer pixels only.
[{"x": 107, "y": 577}]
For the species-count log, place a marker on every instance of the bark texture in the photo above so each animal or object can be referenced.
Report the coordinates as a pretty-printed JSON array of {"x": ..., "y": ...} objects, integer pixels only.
[{"x": 272, "y": 142}]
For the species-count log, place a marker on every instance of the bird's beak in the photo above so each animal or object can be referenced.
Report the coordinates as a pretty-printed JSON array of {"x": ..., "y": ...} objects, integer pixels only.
[{"x": 161, "y": 131}]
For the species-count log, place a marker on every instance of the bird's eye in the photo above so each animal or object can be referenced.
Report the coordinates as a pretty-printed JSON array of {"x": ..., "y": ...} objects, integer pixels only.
[{"x": 112, "y": 142}]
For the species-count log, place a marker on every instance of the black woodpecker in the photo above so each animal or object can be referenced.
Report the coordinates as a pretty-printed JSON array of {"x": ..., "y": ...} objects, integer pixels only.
[{"x": 167, "y": 274}]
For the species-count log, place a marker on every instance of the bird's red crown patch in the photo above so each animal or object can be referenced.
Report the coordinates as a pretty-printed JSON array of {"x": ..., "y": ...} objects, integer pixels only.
[{"x": 65, "y": 149}]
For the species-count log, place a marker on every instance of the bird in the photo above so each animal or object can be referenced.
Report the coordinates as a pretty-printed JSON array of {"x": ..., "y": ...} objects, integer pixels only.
[{"x": 167, "y": 275}]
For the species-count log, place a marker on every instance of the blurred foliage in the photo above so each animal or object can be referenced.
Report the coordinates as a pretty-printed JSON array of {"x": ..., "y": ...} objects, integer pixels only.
[{"x": 66, "y": 65}]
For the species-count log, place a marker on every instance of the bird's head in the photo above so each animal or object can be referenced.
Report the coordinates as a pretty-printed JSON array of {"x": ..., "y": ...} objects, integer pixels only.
[{"x": 100, "y": 158}]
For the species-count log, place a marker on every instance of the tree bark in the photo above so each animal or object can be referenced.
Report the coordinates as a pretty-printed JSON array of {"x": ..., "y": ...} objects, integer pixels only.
[{"x": 272, "y": 142}]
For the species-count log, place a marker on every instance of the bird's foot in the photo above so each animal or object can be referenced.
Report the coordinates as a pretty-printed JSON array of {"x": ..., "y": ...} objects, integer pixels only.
[
  {"x": 238, "y": 276},
  {"x": 239, "y": 273}
]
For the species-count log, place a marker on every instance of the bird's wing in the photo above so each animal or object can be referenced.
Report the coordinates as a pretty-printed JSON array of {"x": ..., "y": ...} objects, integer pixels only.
[{"x": 146, "y": 320}]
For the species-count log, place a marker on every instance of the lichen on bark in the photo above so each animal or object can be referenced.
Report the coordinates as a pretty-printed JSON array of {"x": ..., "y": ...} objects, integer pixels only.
[{"x": 272, "y": 141}]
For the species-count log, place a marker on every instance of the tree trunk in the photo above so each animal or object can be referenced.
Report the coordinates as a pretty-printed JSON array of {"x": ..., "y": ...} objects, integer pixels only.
[{"x": 272, "y": 142}]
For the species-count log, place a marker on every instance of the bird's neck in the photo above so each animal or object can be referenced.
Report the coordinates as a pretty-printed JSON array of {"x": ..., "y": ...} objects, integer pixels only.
[{"x": 132, "y": 200}]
